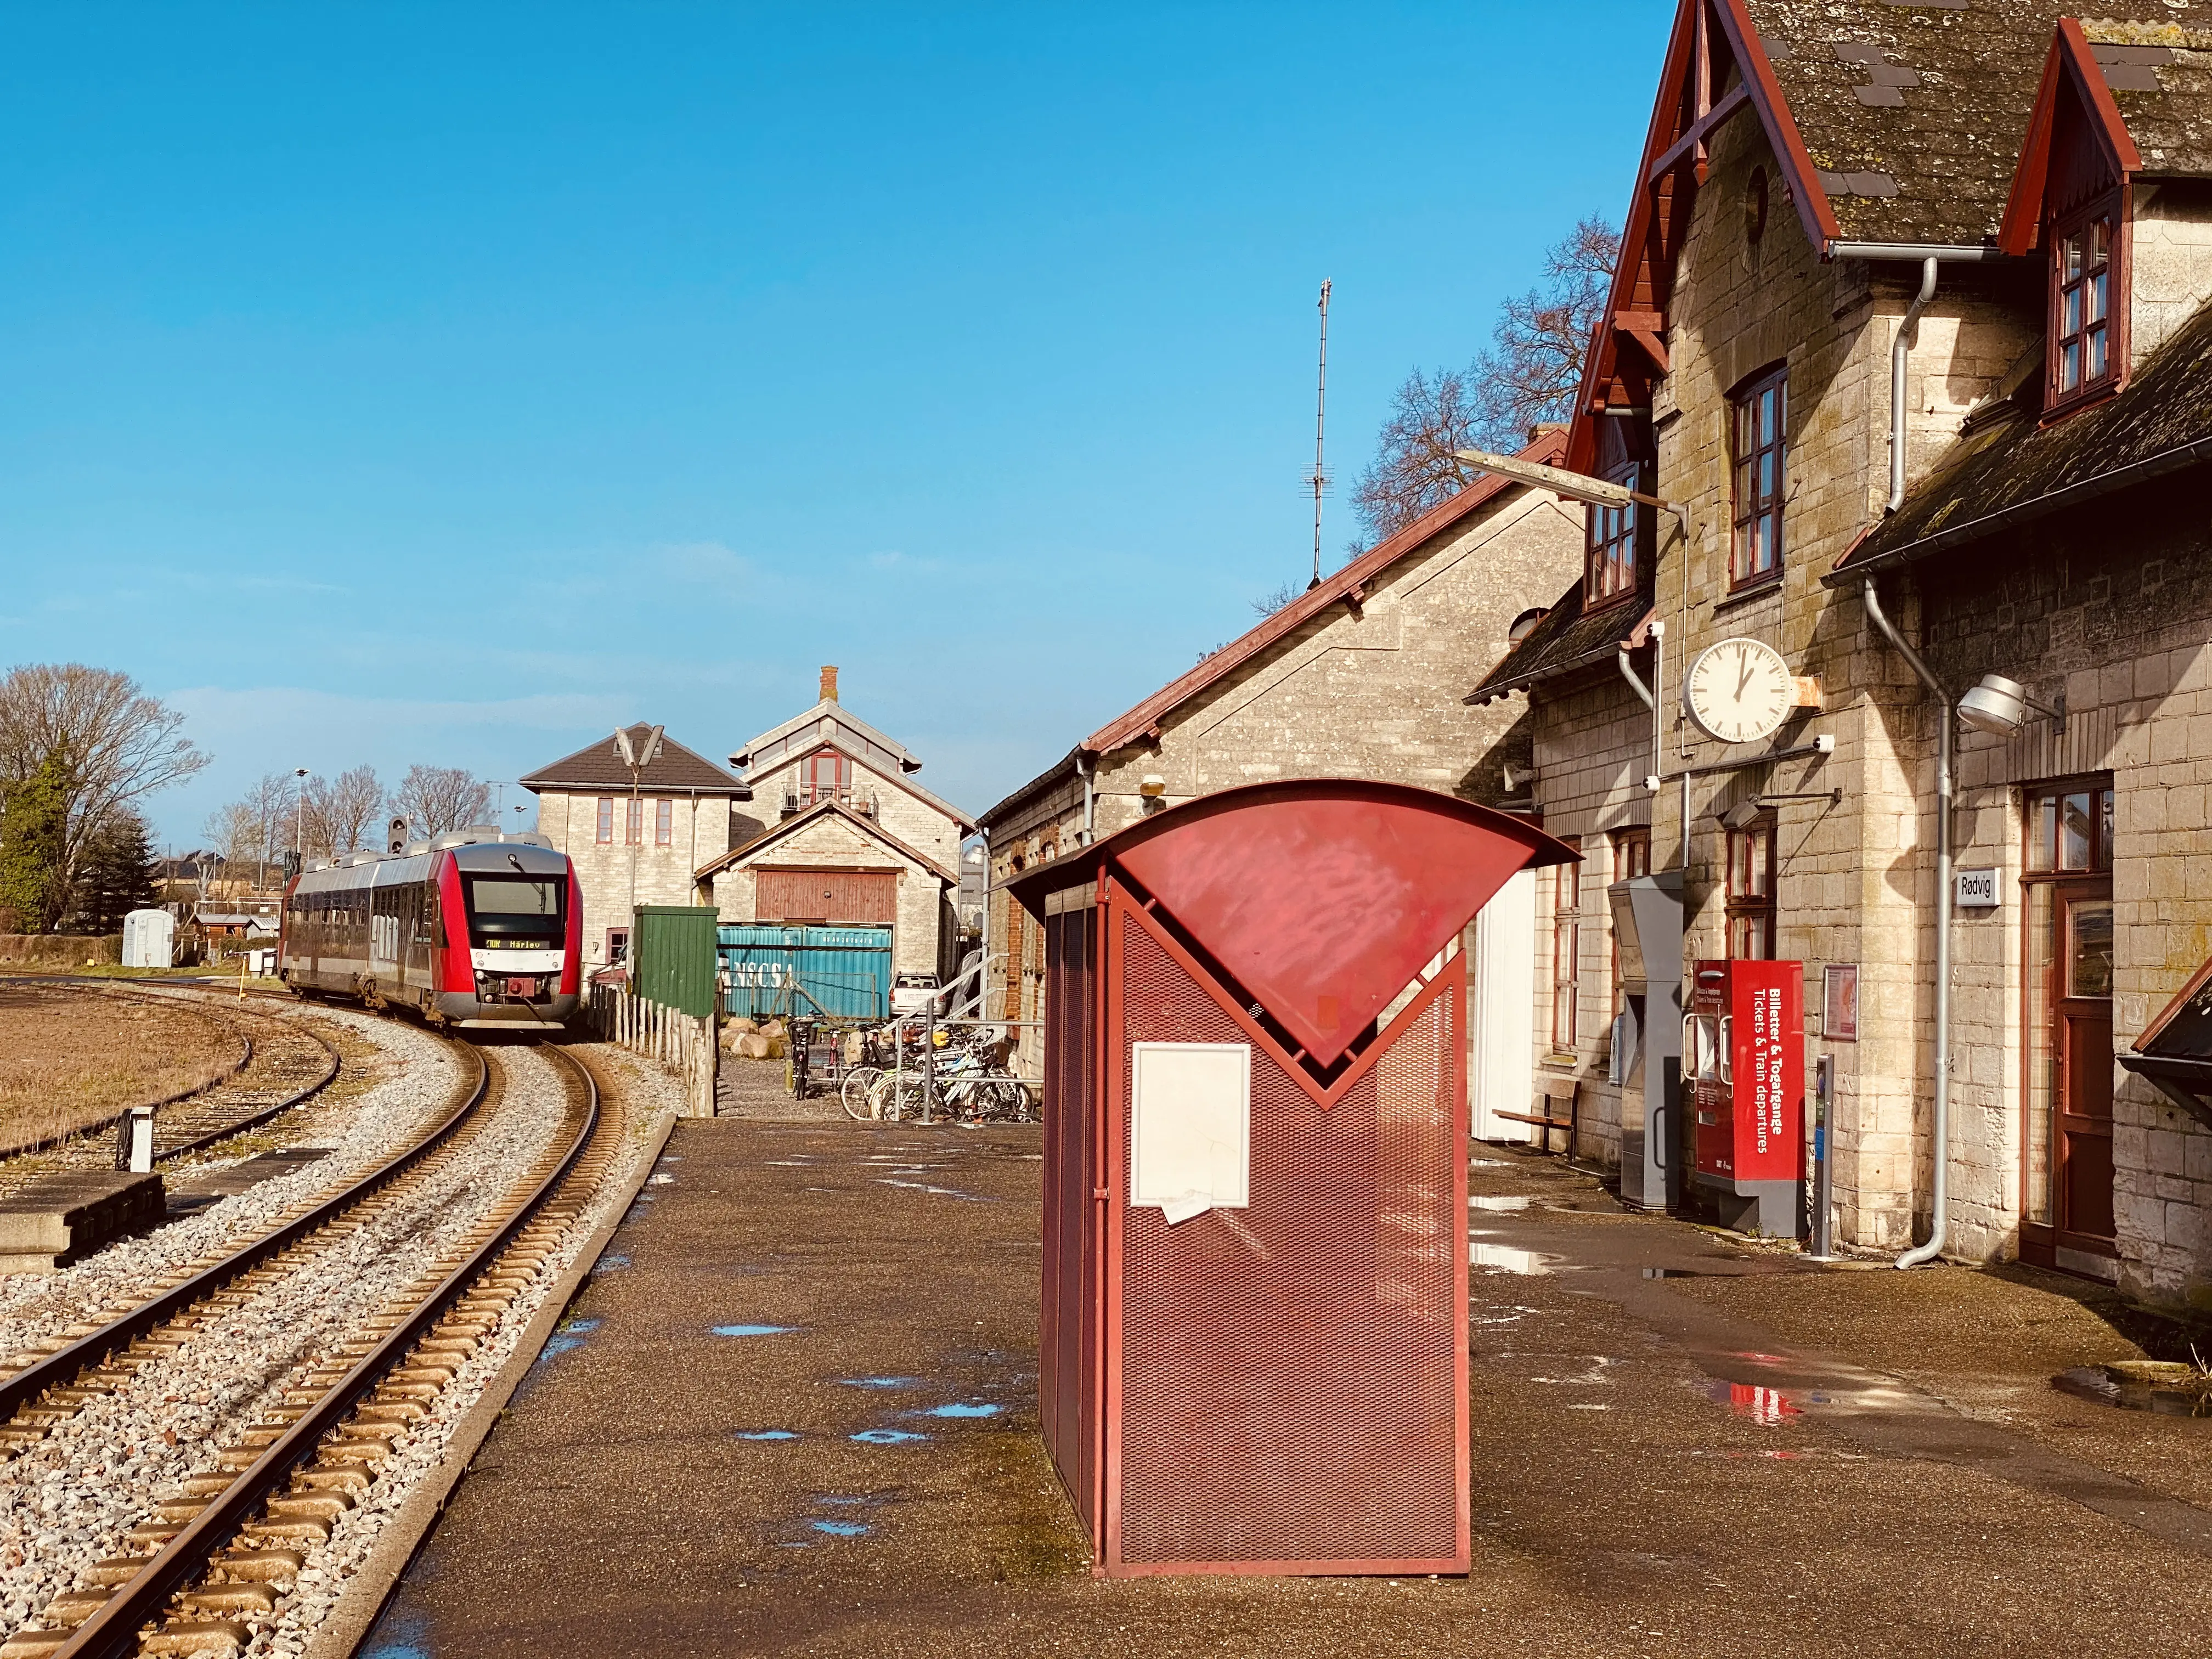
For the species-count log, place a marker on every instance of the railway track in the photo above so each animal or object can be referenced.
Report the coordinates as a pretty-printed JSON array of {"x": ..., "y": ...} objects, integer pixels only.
[
  {"x": 198, "y": 1568},
  {"x": 285, "y": 1065}
]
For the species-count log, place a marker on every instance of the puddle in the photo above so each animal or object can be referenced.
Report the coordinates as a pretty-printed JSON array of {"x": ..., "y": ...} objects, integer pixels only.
[
  {"x": 1505, "y": 1258},
  {"x": 880, "y": 1382},
  {"x": 767, "y": 1434},
  {"x": 1674, "y": 1273},
  {"x": 754, "y": 1330},
  {"x": 841, "y": 1528},
  {"x": 963, "y": 1410},
  {"x": 887, "y": 1437},
  {"x": 2141, "y": 1386},
  {"x": 567, "y": 1338},
  {"x": 1499, "y": 1204},
  {"x": 1769, "y": 1408},
  {"x": 609, "y": 1263},
  {"x": 398, "y": 1635},
  {"x": 1485, "y": 1163},
  {"x": 660, "y": 1180}
]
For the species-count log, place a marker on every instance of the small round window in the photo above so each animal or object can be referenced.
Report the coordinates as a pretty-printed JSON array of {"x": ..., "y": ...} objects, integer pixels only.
[
  {"x": 1524, "y": 625},
  {"x": 1754, "y": 206}
]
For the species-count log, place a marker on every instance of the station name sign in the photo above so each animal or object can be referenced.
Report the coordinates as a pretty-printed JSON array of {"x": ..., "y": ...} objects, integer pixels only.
[{"x": 1977, "y": 890}]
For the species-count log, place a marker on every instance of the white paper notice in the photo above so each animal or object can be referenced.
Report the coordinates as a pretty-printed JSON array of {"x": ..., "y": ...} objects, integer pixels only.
[{"x": 1190, "y": 1132}]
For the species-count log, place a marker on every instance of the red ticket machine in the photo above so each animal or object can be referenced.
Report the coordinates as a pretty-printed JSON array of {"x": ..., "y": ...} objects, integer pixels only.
[{"x": 1743, "y": 1060}]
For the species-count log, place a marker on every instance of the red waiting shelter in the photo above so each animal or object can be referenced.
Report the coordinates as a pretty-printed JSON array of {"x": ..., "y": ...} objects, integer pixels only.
[{"x": 1254, "y": 1314}]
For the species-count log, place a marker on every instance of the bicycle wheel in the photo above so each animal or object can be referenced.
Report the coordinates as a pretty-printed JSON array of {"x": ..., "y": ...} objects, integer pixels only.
[
  {"x": 896, "y": 1097},
  {"x": 854, "y": 1095},
  {"x": 1010, "y": 1101}
]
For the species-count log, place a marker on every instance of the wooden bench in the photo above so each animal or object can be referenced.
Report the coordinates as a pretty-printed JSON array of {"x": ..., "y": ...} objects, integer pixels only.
[{"x": 1550, "y": 1089}]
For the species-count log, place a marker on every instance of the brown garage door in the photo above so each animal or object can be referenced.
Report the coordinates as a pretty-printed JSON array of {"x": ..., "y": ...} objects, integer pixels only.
[{"x": 848, "y": 896}]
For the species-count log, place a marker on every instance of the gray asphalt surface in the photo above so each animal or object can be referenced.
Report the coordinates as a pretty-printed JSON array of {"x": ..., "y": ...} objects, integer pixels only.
[{"x": 1761, "y": 1458}]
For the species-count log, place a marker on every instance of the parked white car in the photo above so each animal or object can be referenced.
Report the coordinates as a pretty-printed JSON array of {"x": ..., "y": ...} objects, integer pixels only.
[{"x": 912, "y": 994}]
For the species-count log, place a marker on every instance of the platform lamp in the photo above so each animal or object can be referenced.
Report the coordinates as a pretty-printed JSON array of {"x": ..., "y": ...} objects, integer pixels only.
[
  {"x": 300, "y": 814},
  {"x": 2001, "y": 707}
]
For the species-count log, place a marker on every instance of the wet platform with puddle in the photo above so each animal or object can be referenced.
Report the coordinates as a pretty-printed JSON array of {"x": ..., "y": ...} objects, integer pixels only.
[{"x": 793, "y": 1413}]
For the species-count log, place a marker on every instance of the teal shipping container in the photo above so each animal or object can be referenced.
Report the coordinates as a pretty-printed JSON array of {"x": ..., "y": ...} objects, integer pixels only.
[
  {"x": 672, "y": 957},
  {"x": 776, "y": 970}
]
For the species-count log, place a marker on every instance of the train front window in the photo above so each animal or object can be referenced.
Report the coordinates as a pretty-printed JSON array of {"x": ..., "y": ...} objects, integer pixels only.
[
  {"x": 505, "y": 897},
  {"x": 514, "y": 912}
]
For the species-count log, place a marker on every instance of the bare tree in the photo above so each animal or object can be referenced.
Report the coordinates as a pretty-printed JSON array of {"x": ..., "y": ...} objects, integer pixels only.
[
  {"x": 337, "y": 814},
  {"x": 1526, "y": 379},
  {"x": 114, "y": 743},
  {"x": 233, "y": 832},
  {"x": 1268, "y": 603},
  {"x": 435, "y": 798}
]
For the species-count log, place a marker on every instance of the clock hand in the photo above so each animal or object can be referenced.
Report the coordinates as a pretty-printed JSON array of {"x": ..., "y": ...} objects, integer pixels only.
[{"x": 1743, "y": 680}]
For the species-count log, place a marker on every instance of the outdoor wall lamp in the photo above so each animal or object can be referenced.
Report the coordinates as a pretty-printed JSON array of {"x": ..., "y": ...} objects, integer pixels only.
[
  {"x": 1152, "y": 786},
  {"x": 2001, "y": 707}
]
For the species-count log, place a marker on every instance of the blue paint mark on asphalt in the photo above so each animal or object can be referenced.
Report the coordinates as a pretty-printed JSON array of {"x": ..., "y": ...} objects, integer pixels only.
[
  {"x": 963, "y": 1410},
  {"x": 887, "y": 1437},
  {"x": 841, "y": 1528},
  {"x": 766, "y": 1434},
  {"x": 880, "y": 1382},
  {"x": 566, "y": 1339},
  {"x": 407, "y": 1639},
  {"x": 754, "y": 1330}
]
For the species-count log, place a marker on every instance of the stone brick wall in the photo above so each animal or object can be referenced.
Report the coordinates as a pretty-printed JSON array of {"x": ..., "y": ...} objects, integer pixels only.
[
  {"x": 1854, "y": 881},
  {"x": 2171, "y": 256},
  {"x": 699, "y": 831},
  {"x": 904, "y": 814},
  {"x": 2121, "y": 623}
]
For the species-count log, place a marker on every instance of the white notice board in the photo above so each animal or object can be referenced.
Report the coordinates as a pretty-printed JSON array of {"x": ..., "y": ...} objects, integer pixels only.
[{"x": 1190, "y": 1127}]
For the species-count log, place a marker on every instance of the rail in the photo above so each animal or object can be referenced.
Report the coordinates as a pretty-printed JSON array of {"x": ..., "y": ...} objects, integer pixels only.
[{"x": 112, "y": 1630}]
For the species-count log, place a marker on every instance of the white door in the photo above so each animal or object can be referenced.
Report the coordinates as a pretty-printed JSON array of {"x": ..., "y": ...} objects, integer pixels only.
[{"x": 1501, "y": 1070}]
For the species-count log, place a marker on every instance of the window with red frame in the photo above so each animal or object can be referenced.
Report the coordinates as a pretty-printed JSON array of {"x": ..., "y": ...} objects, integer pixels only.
[
  {"x": 1566, "y": 952},
  {"x": 664, "y": 822},
  {"x": 634, "y": 823},
  {"x": 1761, "y": 448},
  {"x": 2083, "y": 355},
  {"x": 1611, "y": 546},
  {"x": 1751, "y": 890},
  {"x": 607, "y": 819},
  {"x": 825, "y": 775}
]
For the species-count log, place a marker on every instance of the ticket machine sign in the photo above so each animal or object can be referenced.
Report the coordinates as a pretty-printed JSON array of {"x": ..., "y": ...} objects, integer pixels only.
[{"x": 1744, "y": 1053}]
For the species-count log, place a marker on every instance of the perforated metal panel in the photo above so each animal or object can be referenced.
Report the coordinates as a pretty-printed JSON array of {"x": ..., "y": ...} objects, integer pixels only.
[
  {"x": 1070, "y": 1314},
  {"x": 1288, "y": 1378}
]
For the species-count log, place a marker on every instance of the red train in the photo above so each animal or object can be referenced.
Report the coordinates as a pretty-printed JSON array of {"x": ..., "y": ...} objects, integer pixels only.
[{"x": 473, "y": 928}]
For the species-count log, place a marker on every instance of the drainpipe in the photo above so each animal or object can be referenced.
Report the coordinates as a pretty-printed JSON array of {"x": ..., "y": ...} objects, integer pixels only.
[
  {"x": 1899, "y": 351},
  {"x": 1941, "y": 1193},
  {"x": 1087, "y": 766}
]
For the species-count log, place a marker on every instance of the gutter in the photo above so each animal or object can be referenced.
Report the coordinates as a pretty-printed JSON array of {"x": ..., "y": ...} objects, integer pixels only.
[
  {"x": 2178, "y": 459},
  {"x": 1939, "y": 1194}
]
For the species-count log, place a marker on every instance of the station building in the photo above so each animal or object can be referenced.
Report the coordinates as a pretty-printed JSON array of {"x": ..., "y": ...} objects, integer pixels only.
[
  {"x": 2002, "y": 217},
  {"x": 1361, "y": 675},
  {"x": 838, "y": 833},
  {"x": 636, "y": 839}
]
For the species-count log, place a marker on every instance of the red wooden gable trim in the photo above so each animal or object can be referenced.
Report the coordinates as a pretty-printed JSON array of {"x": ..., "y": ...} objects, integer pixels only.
[
  {"x": 1684, "y": 116},
  {"x": 2070, "y": 52}
]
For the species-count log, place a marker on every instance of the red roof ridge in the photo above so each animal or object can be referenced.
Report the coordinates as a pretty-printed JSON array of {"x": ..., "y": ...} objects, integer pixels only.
[{"x": 1349, "y": 582}]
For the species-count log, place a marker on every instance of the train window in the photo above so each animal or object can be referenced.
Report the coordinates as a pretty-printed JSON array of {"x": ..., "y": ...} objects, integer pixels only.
[{"x": 506, "y": 897}]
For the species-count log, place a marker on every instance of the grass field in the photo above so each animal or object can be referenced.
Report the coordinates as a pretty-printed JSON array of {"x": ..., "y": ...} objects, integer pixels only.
[{"x": 70, "y": 1057}]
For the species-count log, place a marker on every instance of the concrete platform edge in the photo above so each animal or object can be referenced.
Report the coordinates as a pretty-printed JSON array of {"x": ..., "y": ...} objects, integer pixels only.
[{"x": 364, "y": 1597}]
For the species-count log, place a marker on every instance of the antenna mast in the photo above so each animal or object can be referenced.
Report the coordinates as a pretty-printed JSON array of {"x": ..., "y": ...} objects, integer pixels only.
[{"x": 1319, "y": 479}]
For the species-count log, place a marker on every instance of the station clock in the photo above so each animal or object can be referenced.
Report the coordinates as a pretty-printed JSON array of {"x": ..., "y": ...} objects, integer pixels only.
[{"x": 1738, "y": 690}]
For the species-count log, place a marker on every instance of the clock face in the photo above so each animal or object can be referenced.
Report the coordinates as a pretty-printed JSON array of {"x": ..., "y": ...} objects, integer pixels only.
[{"x": 1739, "y": 691}]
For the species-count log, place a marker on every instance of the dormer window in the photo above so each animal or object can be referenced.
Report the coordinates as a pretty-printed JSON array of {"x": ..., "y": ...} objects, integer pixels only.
[
  {"x": 2086, "y": 347},
  {"x": 825, "y": 775},
  {"x": 1611, "y": 546}
]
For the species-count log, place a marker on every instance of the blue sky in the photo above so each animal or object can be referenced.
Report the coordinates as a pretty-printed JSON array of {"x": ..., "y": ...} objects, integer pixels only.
[{"x": 452, "y": 383}]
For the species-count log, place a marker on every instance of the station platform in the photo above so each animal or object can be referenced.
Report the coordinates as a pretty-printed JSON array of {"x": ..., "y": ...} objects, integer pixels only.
[{"x": 792, "y": 1413}]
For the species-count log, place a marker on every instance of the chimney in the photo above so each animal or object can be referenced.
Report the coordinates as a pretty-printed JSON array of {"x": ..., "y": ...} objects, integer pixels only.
[{"x": 830, "y": 683}]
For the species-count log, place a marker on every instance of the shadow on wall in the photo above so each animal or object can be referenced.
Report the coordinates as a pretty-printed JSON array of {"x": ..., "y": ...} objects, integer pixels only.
[{"x": 1486, "y": 783}]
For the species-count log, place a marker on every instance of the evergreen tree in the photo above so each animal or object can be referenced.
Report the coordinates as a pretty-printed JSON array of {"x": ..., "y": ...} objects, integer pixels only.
[
  {"x": 116, "y": 876},
  {"x": 34, "y": 841}
]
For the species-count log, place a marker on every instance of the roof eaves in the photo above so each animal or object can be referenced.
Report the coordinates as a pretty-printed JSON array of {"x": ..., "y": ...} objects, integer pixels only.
[
  {"x": 1349, "y": 581},
  {"x": 762, "y": 843}
]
